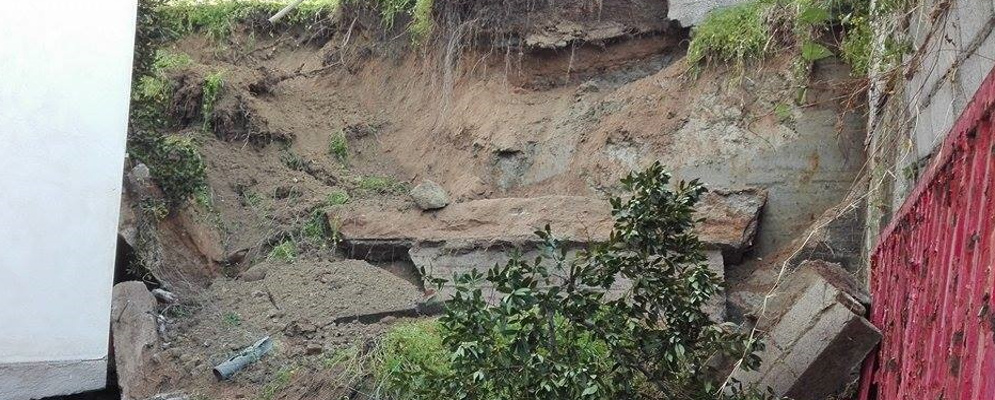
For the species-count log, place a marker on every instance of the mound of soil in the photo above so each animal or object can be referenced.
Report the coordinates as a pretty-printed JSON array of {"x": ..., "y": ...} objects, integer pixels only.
[{"x": 294, "y": 304}]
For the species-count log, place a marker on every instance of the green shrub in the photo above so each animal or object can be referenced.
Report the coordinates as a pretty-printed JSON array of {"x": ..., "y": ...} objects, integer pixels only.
[
  {"x": 338, "y": 146},
  {"x": 278, "y": 384},
  {"x": 286, "y": 251},
  {"x": 175, "y": 164},
  {"x": 411, "y": 350},
  {"x": 293, "y": 161},
  {"x": 554, "y": 331}
]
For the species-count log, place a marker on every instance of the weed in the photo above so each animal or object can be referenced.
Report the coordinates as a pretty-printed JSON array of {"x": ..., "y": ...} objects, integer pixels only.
[
  {"x": 783, "y": 113},
  {"x": 217, "y": 19},
  {"x": 175, "y": 163},
  {"x": 382, "y": 185},
  {"x": 316, "y": 228},
  {"x": 166, "y": 61},
  {"x": 213, "y": 85},
  {"x": 153, "y": 89},
  {"x": 337, "y": 198},
  {"x": 278, "y": 384},
  {"x": 293, "y": 161},
  {"x": 338, "y": 146},
  {"x": 155, "y": 208},
  {"x": 286, "y": 251},
  {"x": 231, "y": 319}
]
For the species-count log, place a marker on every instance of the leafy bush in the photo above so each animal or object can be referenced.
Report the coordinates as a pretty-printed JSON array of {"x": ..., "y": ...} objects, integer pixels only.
[
  {"x": 752, "y": 30},
  {"x": 735, "y": 35},
  {"x": 217, "y": 19},
  {"x": 175, "y": 164},
  {"x": 409, "y": 351},
  {"x": 556, "y": 332}
]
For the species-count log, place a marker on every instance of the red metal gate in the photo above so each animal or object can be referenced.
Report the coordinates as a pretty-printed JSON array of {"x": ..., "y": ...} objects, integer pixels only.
[{"x": 932, "y": 276}]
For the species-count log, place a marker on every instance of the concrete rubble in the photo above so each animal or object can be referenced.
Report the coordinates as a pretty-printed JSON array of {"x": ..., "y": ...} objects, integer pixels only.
[
  {"x": 136, "y": 339},
  {"x": 817, "y": 336}
]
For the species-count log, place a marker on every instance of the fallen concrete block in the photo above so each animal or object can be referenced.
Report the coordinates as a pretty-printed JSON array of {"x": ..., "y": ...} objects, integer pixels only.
[
  {"x": 136, "y": 339},
  {"x": 730, "y": 220},
  {"x": 816, "y": 337}
]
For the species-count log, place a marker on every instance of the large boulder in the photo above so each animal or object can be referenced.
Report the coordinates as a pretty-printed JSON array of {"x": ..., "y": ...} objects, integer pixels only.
[{"x": 136, "y": 339}]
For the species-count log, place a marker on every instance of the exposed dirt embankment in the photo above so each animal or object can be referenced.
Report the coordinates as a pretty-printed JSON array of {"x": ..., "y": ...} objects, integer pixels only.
[{"x": 495, "y": 106}]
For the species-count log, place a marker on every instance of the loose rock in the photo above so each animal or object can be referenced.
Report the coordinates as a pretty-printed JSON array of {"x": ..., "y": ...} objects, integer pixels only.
[
  {"x": 429, "y": 195},
  {"x": 135, "y": 338}
]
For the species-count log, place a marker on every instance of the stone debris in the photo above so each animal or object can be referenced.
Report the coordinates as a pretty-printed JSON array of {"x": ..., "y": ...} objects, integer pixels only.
[
  {"x": 731, "y": 219},
  {"x": 816, "y": 337},
  {"x": 429, "y": 195},
  {"x": 136, "y": 339}
]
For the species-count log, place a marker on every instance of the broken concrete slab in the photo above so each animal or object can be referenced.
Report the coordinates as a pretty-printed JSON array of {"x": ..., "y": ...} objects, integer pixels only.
[
  {"x": 136, "y": 339},
  {"x": 816, "y": 337},
  {"x": 730, "y": 220},
  {"x": 445, "y": 259},
  {"x": 692, "y": 12}
]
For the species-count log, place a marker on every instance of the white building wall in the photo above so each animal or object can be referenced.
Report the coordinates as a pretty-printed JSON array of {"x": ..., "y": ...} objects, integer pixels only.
[{"x": 65, "y": 73}]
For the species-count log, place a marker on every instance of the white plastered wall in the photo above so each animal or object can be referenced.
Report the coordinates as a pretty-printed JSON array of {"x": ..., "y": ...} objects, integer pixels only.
[{"x": 65, "y": 73}]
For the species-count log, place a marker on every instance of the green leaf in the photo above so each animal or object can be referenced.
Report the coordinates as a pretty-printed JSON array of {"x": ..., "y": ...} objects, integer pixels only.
[
  {"x": 813, "y": 15},
  {"x": 812, "y": 51},
  {"x": 590, "y": 390}
]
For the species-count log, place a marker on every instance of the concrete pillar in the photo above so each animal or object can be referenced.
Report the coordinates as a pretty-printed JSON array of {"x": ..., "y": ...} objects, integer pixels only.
[{"x": 65, "y": 74}]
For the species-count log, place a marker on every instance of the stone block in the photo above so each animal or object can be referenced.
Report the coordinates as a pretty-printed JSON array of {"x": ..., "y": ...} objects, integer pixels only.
[
  {"x": 136, "y": 338},
  {"x": 817, "y": 337}
]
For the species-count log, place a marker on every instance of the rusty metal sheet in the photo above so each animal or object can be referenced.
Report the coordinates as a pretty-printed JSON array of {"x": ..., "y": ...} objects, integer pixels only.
[{"x": 932, "y": 277}]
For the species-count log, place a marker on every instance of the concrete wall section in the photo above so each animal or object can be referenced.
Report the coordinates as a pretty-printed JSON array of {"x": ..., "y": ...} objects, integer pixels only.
[
  {"x": 958, "y": 50},
  {"x": 66, "y": 72}
]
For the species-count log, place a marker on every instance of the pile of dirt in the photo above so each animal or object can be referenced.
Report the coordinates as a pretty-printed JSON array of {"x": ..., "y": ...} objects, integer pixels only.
[{"x": 295, "y": 304}]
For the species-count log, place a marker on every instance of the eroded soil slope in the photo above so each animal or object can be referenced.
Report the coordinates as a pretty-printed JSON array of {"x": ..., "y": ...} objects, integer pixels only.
[{"x": 345, "y": 124}]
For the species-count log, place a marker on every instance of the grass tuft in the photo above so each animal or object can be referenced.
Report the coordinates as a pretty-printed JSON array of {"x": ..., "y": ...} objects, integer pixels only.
[
  {"x": 337, "y": 198},
  {"x": 214, "y": 83},
  {"x": 338, "y": 146},
  {"x": 382, "y": 185},
  {"x": 286, "y": 251},
  {"x": 732, "y": 35}
]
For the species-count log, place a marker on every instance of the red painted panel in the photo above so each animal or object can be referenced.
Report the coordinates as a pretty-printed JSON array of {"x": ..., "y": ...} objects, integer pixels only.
[{"x": 933, "y": 274}]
